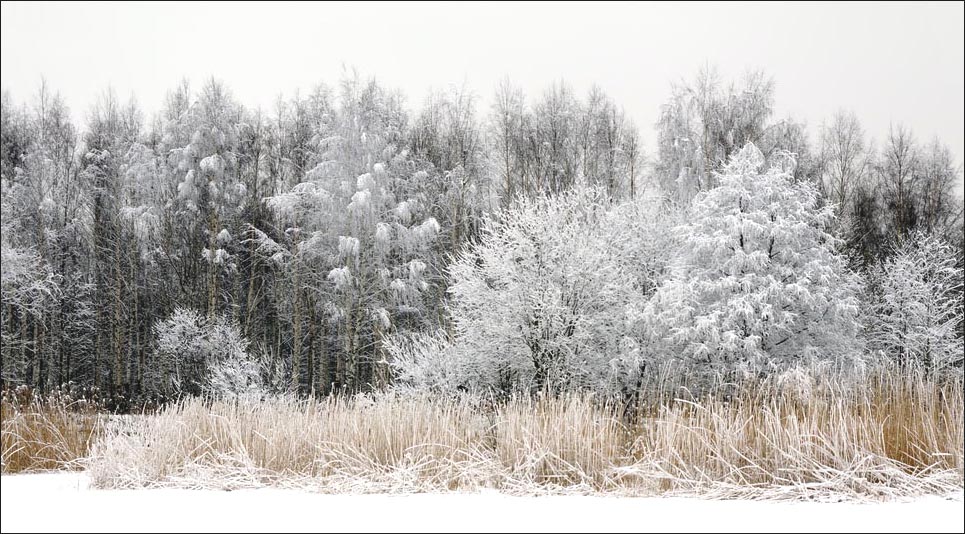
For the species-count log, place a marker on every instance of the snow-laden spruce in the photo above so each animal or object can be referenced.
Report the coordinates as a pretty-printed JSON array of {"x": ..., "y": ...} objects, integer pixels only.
[{"x": 757, "y": 284}]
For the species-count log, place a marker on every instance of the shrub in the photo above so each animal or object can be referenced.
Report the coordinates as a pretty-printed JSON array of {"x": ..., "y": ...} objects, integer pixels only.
[{"x": 197, "y": 355}]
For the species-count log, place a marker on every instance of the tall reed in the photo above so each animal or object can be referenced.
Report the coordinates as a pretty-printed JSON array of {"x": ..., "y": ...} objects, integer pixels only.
[
  {"x": 50, "y": 433},
  {"x": 895, "y": 432}
]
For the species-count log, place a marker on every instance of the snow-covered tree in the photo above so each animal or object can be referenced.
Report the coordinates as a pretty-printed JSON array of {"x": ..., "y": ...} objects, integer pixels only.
[
  {"x": 357, "y": 247},
  {"x": 845, "y": 162},
  {"x": 29, "y": 289},
  {"x": 232, "y": 370},
  {"x": 540, "y": 301},
  {"x": 202, "y": 355},
  {"x": 757, "y": 283},
  {"x": 559, "y": 140},
  {"x": 201, "y": 143},
  {"x": 703, "y": 123},
  {"x": 111, "y": 131},
  {"x": 179, "y": 357},
  {"x": 505, "y": 134},
  {"x": 44, "y": 225},
  {"x": 916, "y": 305}
]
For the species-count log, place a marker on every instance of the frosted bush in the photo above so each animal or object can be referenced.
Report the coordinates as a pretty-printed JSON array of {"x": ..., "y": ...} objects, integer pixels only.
[
  {"x": 232, "y": 371},
  {"x": 198, "y": 355}
]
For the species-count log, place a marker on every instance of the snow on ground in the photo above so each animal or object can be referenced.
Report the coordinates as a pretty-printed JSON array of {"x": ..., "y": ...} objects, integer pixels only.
[{"x": 63, "y": 502}]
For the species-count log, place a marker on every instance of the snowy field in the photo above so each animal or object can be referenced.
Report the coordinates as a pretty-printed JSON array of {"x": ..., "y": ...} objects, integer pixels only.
[{"x": 64, "y": 502}]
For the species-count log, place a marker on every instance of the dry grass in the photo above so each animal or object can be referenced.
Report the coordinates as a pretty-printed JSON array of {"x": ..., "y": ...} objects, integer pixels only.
[
  {"x": 383, "y": 444},
  {"x": 42, "y": 434},
  {"x": 559, "y": 442},
  {"x": 896, "y": 434}
]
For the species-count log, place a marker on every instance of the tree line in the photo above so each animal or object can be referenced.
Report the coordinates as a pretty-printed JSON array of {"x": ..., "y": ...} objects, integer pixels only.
[{"x": 318, "y": 234}]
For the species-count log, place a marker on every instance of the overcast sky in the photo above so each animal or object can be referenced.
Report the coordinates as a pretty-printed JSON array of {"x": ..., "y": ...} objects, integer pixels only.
[{"x": 890, "y": 62}]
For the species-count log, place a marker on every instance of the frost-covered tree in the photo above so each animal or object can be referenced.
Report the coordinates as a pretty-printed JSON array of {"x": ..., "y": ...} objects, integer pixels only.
[
  {"x": 703, "y": 123},
  {"x": 897, "y": 191},
  {"x": 506, "y": 142},
  {"x": 358, "y": 243},
  {"x": 201, "y": 142},
  {"x": 446, "y": 135},
  {"x": 898, "y": 176},
  {"x": 845, "y": 164},
  {"x": 634, "y": 161},
  {"x": 231, "y": 371},
  {"x": 299, "y": 258},
  {"x": 29, "y": 290},
  {"x": 789, "y": 137},
  {"x": 916, "y": 306},
  {"x": 446, "y": 132},
  {"x": 939, "y": 211},
  {"x": 553, "y": 139},
  {"x": 540, "y": 301},
  {"x": 179, "y": 357},
  {"x": 111, "y": 132},
  {"x": 44, "y": 225},
  {"x": 202, "y": 355},
  {"x": 757, "y": 283},
  {"x": 561, "y": 140}
]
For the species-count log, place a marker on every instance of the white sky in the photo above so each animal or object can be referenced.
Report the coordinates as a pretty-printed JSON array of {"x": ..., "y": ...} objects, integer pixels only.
[{"x": 892, "y": 62}]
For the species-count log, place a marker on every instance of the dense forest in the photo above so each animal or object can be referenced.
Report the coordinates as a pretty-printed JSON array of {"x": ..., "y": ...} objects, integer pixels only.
[{"x": 324, "y": 238}]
